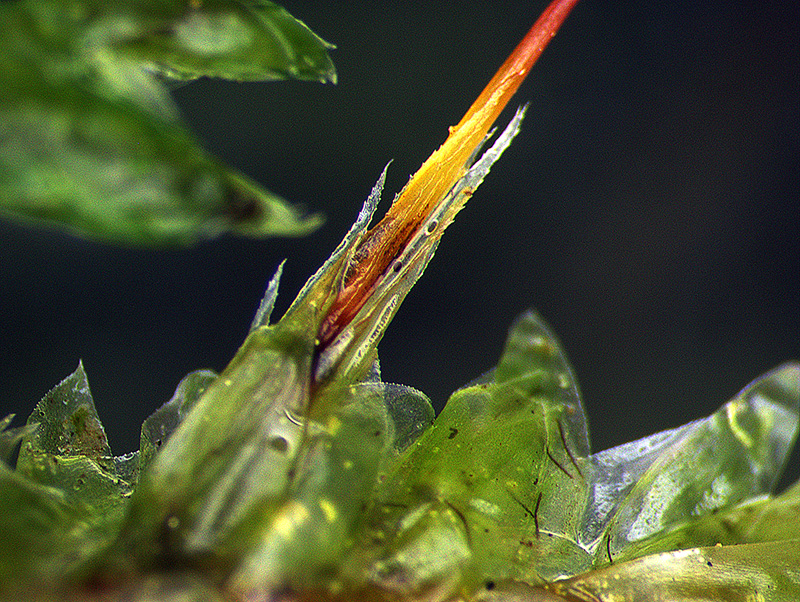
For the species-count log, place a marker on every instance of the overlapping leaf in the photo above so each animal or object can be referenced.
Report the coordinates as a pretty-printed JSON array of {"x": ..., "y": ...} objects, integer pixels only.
[
  {"x": 683, "y": 488},
  {"x": 501, "y": 490},
  {"x": 497, "y": 498},
  {"x": 88, "y": 134},
  {"x": 68, "y": 495},
  {"x": 481, "y": 494}
]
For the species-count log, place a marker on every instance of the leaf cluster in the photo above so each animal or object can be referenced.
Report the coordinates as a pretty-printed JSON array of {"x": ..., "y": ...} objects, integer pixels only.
[{"x": 90, "y": 138}]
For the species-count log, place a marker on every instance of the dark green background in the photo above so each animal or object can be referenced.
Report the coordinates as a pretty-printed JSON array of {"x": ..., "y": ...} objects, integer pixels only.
[{"x": 648, "y": 209}]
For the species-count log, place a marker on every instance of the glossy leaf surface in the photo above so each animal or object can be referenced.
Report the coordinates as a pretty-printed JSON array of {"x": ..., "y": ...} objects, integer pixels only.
[
  {"x": 297, "y": 474},
  {"x": 765, "y": 571},
  {"x": 500, "y": 488},
  {"x": 649, "y": 493},
  {"x": 66, "y": 496}
]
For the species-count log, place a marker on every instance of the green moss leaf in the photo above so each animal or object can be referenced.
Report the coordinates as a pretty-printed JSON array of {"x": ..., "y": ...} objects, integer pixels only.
[
  {"x": 686, "y": 487},
  {"x": 765, "y": 571},
  {"x": 65, "y": 500},
  {"x": 500, "y": 489},
  {"x": 235, "y": 39},
  {"x": 89, "y": 137},
  {"x": 158, "y": 427},
  {"x": 495, "y": 488},
  {"x": 69, "y": 450},
  {"x": 229, "y": 463}
]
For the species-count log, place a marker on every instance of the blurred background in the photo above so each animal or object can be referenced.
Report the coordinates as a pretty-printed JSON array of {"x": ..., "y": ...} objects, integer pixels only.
[{"x": 649, "y": 210}]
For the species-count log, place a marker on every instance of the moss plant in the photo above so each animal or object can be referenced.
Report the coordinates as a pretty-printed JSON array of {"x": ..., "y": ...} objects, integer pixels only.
[{"x": 297, "y": 473}]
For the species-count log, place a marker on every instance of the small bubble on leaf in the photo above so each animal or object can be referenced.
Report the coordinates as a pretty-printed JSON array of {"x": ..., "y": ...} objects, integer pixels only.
[{"x": 279, "y": 444}]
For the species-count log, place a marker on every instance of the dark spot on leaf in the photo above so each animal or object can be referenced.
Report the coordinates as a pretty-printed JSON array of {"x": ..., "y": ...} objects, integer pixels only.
[
  {"x": 453, "y": 433},
  {"x": 709, "y": 563},
  {"x": 243, "y": 209},
  {"x": 392, "y": 571},
  {"x": 377, "y": 433},
  {"x": 490, "y": 585},
  {"x": 279, "y": 444}
]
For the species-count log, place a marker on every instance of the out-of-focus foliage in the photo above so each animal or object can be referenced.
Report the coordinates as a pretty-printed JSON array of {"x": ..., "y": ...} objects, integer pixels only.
[{"x": 89, "y": 136}]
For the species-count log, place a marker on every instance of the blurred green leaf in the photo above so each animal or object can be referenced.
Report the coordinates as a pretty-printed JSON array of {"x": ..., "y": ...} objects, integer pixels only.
[
  {"x": 160, "y": 424},
  {"x": 38, "y": 530},
  {"x": 244, "y": 40},
  {"x": 10, "y": 438},
  {"x": 89, "y": 137}
]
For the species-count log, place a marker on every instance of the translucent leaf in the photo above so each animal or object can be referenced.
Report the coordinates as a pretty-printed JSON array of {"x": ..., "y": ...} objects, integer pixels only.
[
  {"x": 268, "y": 301},
  {"x": 340, "y": 465},
  {"x": 158, "y": 427},
  {"x": 758, "y": 520},
  {"x": 765, "y": 571},
  {"x": 226, "y": 469},
  {"x": 531, "y": 346},
  {"x": 69, "y": 450},
  {"x": 493, "y": 488},
  {"x": 646, "y": 489},
  {"x": 410, "y": 411},
  {"x": 324, "y": 504},
  {"x": 68, "y": 424}
]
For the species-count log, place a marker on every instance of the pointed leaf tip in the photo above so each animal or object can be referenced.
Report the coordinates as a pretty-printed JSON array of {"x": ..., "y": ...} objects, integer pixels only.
[{"x": 430, "y": 201}]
